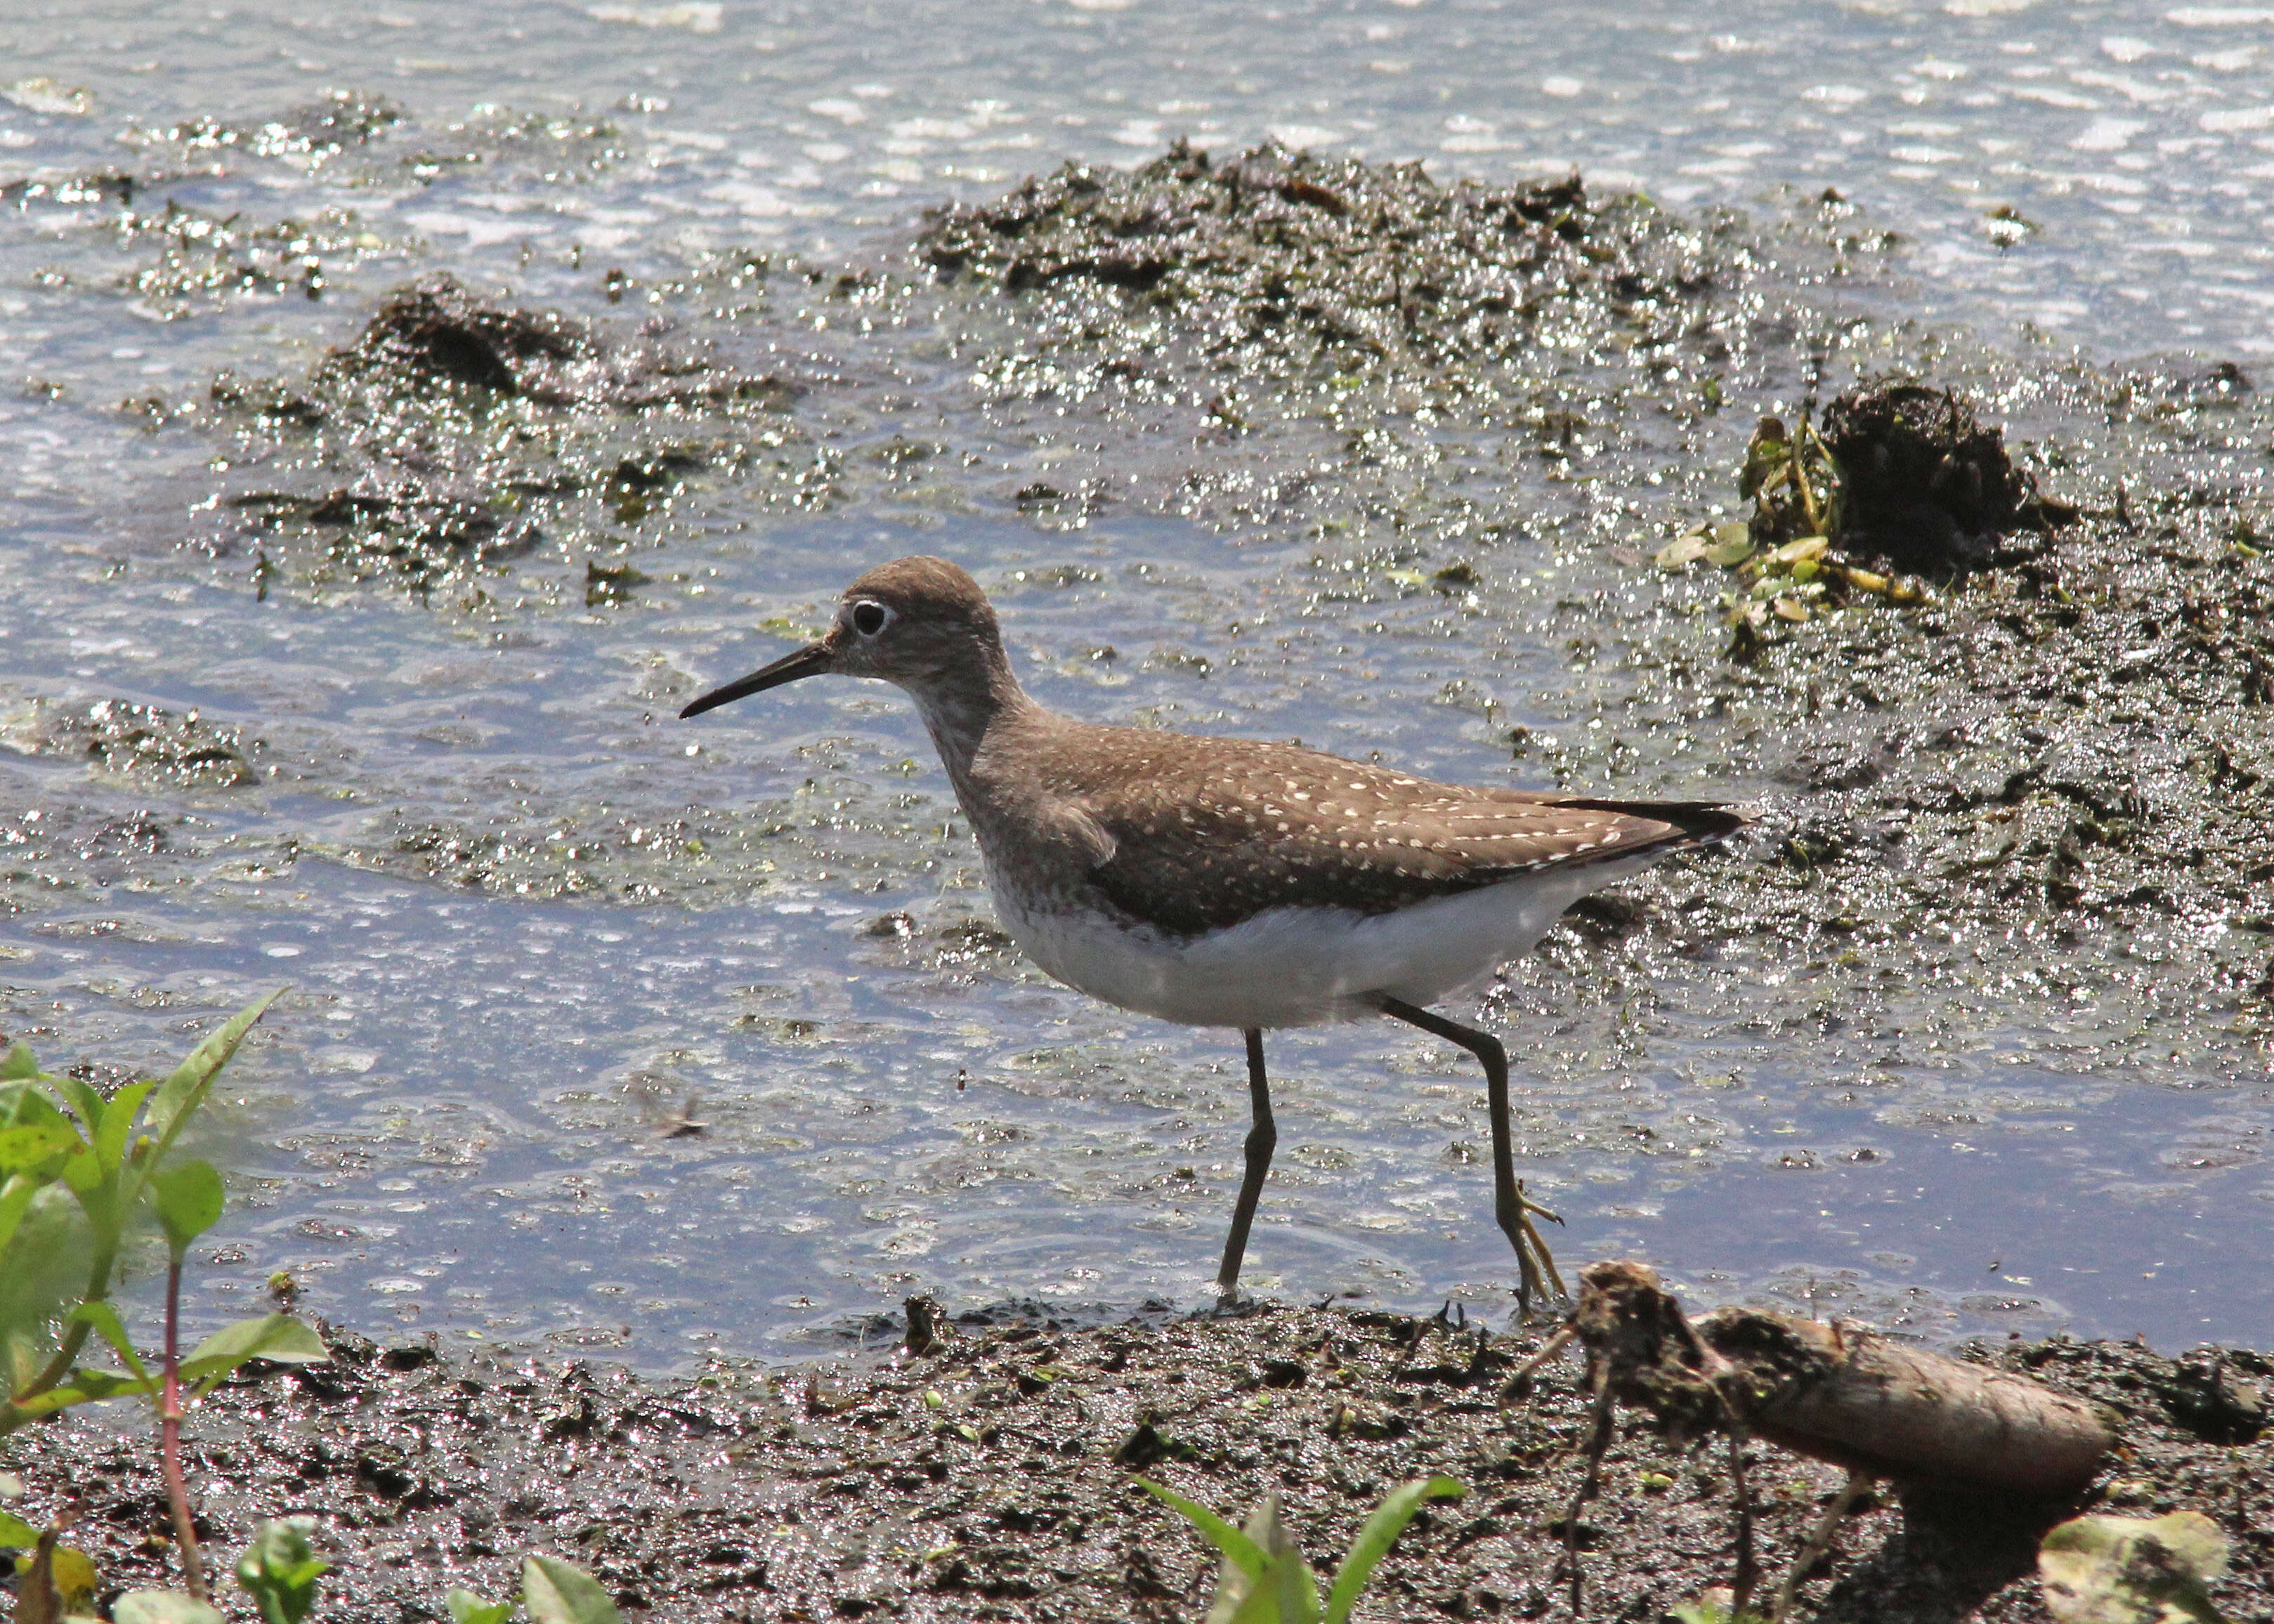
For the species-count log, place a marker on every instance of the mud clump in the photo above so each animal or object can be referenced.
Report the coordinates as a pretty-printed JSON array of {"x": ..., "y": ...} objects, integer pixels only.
[
  {"x": 146, "y": 744},
  {"x": 1923, "y": 484},
  {"x": 437, "y": 332},
  {"x": 789, "y": 1494},
  {"x": 408, "y": 527},
  {"x": 333, "y": 123},
  {"x": 455, "y": 433},
  {"x": 2180, "y": 380},
  {"x": 1328, "y": 256}
]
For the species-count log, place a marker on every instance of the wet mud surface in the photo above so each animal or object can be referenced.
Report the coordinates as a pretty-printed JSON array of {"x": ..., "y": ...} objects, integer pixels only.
[
  {"x": 993, "y": 1478},
  {"x": 374, "y": 675}
]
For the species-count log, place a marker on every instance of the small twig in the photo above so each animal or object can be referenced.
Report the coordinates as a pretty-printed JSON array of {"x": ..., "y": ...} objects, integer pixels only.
[
  {"x": 37, "y": 1600},
  {"x": 1748, "y": 1570},
  {"x": 1729, "y": 1386},
  {"x": 1412, "y": 1345},
  {"x": 1819, "y": 1542},
  {"x": 1591, "y": 1483},
  {"x": 1514, "y": 1387},
  {"x": 169, "y": 1437},
  {"x": 1480, "y": 1353}
]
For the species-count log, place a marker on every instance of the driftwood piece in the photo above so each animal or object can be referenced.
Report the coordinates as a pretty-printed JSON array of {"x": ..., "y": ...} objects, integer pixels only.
[
  {"x": 1838, "y": 1393},
  {"x": 1882, "y": 1407}
]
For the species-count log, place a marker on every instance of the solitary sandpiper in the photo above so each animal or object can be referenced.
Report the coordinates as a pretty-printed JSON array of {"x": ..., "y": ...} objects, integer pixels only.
[{"x": 1233, "y": 882}]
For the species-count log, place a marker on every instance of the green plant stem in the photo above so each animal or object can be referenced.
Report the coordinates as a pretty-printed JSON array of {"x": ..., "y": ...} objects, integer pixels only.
[
  {"x": 1800, "y": 477},
  {"x": 169, "y": 1437}
]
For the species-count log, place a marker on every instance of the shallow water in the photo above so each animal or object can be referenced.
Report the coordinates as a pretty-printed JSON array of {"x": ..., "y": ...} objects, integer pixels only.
[{"x": 532, "y": 924}]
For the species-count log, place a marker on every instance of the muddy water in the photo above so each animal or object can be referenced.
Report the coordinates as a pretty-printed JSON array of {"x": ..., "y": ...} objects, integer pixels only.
[{"x": 613, "y": 1032}]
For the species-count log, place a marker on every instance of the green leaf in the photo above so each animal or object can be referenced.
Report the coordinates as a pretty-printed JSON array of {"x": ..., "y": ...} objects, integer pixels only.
[
  {"x": 84, "y": 1098},
  {"x": 1259, "y": 1605},
  {"x": 555, "y": 1593},
  {"x": 280, "y": 1568},
  {"x": 278, "y": 1337},
  {"x": 1238, "y": 1548},
  {"x": 1703, "y": 1611},
  {"x": 30, "y": 1102},
  {"x": 17, "y": 1065},
  {"x": 1683, "y": 550},
  {"x": 2133, "y": 1570},
  {"x": 16, "y": 1534},
  {"x": 1298, "y": 1587},
  {"x": 118, "y": 1124},
  {"x": 27, "y": 1145},
  {"x": 181, "y": 1093},
  {"x": 162, "y": 1607},
  {"x": 104, "y": 1319},
  {"x": 85, "y": 1387},
  {"x": 71, "y": 1572},
  {"x": 188, "y": 1198},
  {"x": 468, "y": 1608},
  {"x": 39, "y": 1141},
  {"x": 1380, "y": 1531},
  {"x": 1800, "y": 550},
  {"x": 1285, "y": 1592},
  {"x": 16, "y": 1193}
]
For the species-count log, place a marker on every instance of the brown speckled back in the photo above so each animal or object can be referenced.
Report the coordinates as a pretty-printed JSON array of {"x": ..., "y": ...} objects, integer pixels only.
[{"x": 1207, "y": 832}]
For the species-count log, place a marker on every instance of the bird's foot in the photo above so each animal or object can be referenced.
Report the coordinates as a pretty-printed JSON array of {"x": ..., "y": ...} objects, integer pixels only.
[
  {"x": 1230, "y": 1304},
  {"x": 1535, "y": 1265}
]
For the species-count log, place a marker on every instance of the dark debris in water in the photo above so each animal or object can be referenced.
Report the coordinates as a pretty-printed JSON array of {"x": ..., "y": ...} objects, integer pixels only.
[
  {"x": 2108, "y": 759},
  {"x": 193, "y": 253},
  {"x": 1924, "y": 483},
  {"x": 143, "y": 743},
  {"x": 455, "y": 433},
  {"x": 626, "y": 858},
  {"x": 414, "y": 528},
  {"x": 342, "y": 119},
  {"x": 436, "y": 332},
  {"x": 993, "y": 1477}
]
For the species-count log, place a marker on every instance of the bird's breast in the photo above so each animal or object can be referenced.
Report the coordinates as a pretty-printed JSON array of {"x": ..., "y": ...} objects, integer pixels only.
[{"x": 1285, "y": 967}]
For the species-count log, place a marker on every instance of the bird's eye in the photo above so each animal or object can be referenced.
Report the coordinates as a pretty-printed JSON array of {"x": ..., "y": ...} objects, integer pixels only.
[{"x": 870, "y": 619}]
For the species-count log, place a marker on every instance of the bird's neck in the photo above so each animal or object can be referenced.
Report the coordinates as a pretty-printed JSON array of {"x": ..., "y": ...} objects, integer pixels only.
[{"x": 964, "y": 707}]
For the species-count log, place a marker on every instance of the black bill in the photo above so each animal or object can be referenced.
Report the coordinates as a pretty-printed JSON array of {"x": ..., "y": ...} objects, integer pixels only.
[{"x": 809, "y": 661}]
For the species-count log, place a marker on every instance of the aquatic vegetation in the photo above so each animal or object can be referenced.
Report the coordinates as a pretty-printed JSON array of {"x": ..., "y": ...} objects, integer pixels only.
[
  {"x": 81, "y": 1171},
  {"x": 1899, "y": 473}
]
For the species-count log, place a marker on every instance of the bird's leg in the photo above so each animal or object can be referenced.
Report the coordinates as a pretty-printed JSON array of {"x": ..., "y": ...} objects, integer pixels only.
[
  {"x": 1510, "y": 1205},
  {"x": 1260, "y": 1140}
]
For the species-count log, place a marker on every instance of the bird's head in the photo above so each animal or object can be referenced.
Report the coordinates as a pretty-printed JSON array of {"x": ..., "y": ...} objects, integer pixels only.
[{"x": 921, "y": 623}]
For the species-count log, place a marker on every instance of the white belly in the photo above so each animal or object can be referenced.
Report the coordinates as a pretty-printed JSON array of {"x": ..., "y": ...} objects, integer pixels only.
[{"x": 1298, "y": 966}]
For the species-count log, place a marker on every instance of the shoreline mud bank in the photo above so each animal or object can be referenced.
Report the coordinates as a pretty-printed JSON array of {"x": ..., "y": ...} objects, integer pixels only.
[{"x": 993, "y": 1477}]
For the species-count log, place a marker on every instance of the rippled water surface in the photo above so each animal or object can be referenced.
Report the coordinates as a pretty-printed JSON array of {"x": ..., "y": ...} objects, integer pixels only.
[{"x": 672, "y": 1038}]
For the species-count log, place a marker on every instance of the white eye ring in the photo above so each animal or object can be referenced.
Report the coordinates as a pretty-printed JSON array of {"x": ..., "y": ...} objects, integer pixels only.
[{"x": 869, "y": 618}]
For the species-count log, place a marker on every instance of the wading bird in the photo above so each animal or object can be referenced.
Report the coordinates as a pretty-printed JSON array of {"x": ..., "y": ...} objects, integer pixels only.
[{"x": 1231, "y": 882}]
